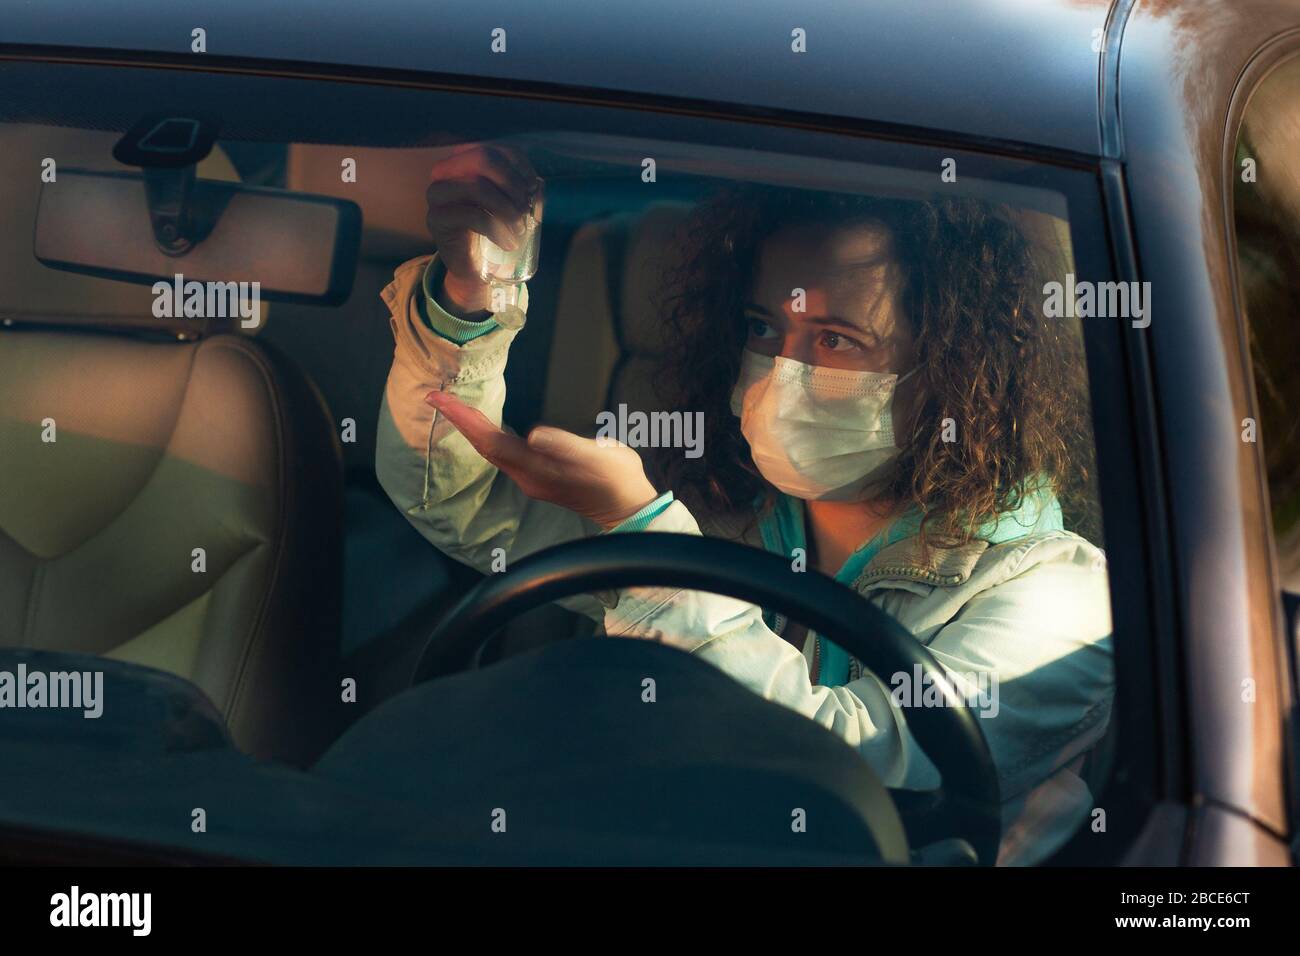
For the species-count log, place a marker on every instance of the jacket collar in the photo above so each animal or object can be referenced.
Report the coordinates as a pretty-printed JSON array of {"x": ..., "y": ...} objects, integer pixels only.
[{"x": 903, "y": 560}]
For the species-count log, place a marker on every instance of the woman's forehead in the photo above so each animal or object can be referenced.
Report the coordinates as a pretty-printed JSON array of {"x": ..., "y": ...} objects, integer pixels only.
[{"x": 843, "y": 270}]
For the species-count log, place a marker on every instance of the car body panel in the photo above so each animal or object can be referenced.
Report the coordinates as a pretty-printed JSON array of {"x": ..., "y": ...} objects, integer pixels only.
[
  {"x": 1021, "y": 71},
  {"x": 1172, "y": 113}
]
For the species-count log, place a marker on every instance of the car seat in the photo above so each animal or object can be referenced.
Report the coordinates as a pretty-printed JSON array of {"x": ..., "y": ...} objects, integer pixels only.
[{"x": 170, "y": 491}]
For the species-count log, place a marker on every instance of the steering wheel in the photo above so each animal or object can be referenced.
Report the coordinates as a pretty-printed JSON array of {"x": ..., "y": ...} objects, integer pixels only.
[{"x": 966, "y": 805}]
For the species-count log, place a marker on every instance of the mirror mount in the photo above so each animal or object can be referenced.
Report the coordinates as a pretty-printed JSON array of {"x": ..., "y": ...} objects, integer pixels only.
[
  {"x": 170, "y": 193},
  {"x": 168, "y": 150}
]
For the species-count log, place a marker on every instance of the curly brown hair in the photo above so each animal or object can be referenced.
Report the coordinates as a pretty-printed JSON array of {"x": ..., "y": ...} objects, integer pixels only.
[{"x": 1012, "y": 381}]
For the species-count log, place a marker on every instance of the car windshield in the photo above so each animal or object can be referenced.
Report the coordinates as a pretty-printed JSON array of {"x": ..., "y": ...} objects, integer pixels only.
[{"x": 291, "y": 370}]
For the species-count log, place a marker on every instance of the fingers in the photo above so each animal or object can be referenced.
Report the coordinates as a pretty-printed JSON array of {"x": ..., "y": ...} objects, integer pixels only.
[
  {"x": 484, "y": 189},
  {"x": 507, "y": 170},
  {"x": 558, "y": 443},
  {"x": 605, "y": 482},
  {"x": 508, "y": 452},
  {"x": 572, "y": 453},
  {"x": 453, "y": 220},
  {"x": 479, "y": 190},
  {"x": 519, "y": 160}
]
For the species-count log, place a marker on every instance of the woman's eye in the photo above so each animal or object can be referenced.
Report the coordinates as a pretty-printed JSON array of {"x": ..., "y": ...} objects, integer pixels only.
[
  {"x": 760, "y": 329},
  {"x": 839, "y": 343}
]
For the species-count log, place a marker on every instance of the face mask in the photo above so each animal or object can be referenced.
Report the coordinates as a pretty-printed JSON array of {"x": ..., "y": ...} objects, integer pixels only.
[{"x": 816, "y": 433}]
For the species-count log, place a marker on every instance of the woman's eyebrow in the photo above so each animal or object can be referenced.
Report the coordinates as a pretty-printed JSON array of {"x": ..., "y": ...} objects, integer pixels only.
[
  {"x": 835, "y": 320},
  {"x": 815, "y": 320}
]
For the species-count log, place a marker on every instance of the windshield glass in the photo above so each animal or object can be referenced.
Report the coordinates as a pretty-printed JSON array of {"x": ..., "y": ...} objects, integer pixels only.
[{"x": 289, "y": 367}]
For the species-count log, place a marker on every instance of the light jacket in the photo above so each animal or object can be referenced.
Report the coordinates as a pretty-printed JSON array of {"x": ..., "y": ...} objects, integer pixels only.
[{"x": 1027, "y": 618}]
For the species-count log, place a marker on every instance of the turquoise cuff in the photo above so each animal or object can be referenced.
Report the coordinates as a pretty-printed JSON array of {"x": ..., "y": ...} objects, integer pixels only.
[
  {"x": 439, "y": 319},
  {"x": 642, "y": 518}
]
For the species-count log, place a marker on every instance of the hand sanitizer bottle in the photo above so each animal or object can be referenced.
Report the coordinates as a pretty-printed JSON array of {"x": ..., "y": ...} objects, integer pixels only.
[{"x": 506, "y": 270}]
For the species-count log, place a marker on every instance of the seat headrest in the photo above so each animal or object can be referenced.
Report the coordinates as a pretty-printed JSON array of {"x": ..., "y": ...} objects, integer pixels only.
[
  {"x": 609, "y": 315},
  {"x": 32, "y": 293}
]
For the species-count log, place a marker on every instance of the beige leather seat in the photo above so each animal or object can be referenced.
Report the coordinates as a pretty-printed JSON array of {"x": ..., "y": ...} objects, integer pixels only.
[
  {"x": 170, "y": 495},
  {"x": 609, "y": 323}
]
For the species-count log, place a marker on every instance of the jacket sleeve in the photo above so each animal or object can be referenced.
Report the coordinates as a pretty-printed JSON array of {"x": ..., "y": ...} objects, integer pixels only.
[
  {"x": 1041, "y": 636},
  {"x": 458, "y": 501}
]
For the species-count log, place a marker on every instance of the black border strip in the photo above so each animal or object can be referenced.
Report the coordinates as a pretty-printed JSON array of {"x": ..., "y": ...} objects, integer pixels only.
[{"x": 540, "y": 90}]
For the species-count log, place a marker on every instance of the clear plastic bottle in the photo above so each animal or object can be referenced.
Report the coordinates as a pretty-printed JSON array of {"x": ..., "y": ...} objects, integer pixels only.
[{"x": 506, "y": 270}]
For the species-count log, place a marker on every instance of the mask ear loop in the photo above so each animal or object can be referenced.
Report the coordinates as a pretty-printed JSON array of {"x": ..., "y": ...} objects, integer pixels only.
[{"x": 904, "y": 377}]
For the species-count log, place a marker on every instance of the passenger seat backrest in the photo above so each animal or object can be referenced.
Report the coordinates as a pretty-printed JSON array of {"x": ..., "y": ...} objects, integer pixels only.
[
  {"x": 184, "y": 516},
  {"x": 610, "y": 317}
]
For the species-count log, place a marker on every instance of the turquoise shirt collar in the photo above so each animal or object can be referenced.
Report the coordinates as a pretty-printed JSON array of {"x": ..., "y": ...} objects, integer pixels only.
[{"x": 782, "y": 530}]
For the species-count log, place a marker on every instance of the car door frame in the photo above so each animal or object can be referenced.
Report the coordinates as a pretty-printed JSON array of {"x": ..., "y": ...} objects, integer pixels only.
[{"x": 1172, "y": 113}]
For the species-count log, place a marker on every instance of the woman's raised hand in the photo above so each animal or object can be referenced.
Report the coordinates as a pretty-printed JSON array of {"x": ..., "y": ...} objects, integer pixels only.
[
  {"x": 603, "y": 482},
  {"x": 476, "y": 189}
]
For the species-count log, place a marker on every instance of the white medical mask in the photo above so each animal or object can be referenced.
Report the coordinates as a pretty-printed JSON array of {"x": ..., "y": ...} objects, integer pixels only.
[{"x": 816, "y": 433}]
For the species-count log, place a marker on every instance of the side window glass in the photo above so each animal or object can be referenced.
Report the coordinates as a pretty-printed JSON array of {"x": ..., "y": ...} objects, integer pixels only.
[{"x": 1266, "y": 194}]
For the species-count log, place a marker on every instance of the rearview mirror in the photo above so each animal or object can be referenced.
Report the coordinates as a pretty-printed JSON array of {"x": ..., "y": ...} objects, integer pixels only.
[{"x": 298, "y": 247}]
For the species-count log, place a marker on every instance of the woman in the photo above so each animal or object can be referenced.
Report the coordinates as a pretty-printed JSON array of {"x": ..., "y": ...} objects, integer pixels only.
[{"x": 881, "y": 400}]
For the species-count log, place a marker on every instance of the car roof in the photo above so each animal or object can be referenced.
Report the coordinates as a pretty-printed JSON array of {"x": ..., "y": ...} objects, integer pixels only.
[{"x": 1014, "y": 71}]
